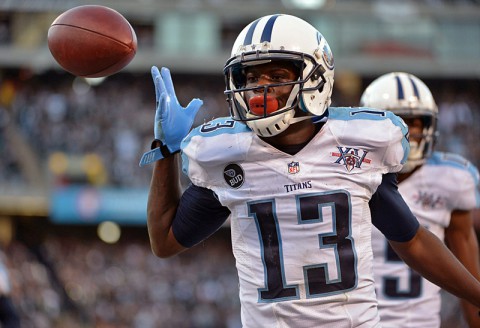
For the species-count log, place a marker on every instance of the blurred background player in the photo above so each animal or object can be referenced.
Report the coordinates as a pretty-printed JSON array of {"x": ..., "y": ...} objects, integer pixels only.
[{"x": 441, "y": 189}]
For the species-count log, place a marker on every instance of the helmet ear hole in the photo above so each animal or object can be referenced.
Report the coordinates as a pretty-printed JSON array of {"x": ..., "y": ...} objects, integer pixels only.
[{"x": 318, "y": 73}]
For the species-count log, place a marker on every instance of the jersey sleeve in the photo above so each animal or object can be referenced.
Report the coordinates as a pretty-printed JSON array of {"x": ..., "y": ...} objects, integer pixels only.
[
  {"x": 397, "y": 151},
  {"x": 380, "y": 132},
  {"x": 199, "y": 215},
  {"x": 464, "y": 182},
  {"x": 390, "y": 213},
  {"x": 210, "y": 147},
  {"x": 468, "y": 197}
]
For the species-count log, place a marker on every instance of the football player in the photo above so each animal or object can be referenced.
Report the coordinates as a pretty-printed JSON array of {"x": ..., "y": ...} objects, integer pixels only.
[
  {"x": 301, "y": 193},
  {"x": 441, "y": 189}
]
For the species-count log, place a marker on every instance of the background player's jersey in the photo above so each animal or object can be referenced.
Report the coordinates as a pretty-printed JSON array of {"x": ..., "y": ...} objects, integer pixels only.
[
  {"x": 444, "y": 183},
  {"x": 301, "y": 225}
]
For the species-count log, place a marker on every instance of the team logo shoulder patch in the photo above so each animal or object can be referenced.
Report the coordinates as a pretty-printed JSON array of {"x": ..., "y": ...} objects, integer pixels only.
[
  {"x": 351, "y": 157},
  {"x": 234, "y": 175}
]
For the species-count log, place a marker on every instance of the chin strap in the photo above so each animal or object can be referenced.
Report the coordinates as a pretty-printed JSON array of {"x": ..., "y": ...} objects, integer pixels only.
[{"x": 299, "y": 119}]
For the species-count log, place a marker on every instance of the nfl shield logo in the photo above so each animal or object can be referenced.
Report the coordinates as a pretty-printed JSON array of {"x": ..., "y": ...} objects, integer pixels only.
[{"x": 293, "y": 167}]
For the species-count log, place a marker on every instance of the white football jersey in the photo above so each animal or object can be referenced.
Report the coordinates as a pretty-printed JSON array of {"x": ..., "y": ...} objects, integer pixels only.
[
  {"x": 301, "y": 224},
  {"x": 444, "y": 183}
]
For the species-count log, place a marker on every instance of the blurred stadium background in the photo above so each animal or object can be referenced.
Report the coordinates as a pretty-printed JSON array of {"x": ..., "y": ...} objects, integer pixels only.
[{"x": 72, "y": 197}]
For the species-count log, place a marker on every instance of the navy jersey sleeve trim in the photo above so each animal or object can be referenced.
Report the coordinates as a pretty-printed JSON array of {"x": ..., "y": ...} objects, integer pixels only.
[
  {"x": 199, "y": 215},
  {"x": 390, "y": 214}
]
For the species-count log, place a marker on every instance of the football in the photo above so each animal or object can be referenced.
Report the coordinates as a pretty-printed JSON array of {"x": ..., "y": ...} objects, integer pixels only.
[{"x": 92, "y": 41}]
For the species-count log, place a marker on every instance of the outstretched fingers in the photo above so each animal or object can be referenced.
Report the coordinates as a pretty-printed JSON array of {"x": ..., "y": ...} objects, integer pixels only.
[
  {"x": 158, "y": 83},
  {"x": 160, "y": 95},
  {"x": 194, "y": 105},
  {"x": 165, "y": 94},
  {"x": 168, "y": 83}
]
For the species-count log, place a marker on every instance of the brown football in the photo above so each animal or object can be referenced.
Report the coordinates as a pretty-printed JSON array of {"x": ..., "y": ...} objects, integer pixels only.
[{"x": 92, "y": 41}]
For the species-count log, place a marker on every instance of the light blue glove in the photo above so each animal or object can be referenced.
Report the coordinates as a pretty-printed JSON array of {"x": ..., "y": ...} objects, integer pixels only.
[{"x": 172, "y": 121}]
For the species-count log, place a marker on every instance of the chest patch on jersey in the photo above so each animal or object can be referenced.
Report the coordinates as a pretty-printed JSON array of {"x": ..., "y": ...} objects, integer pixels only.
[
  {"x": 234, "y": 175},
  {"x": 351, "y": 157},
  {"x": 293, "y": 167}
]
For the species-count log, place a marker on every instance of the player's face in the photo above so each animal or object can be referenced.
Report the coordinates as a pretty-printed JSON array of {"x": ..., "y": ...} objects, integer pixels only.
[
  {"x": 415, "y": 128},
  {"x": 270, "y": 73}
]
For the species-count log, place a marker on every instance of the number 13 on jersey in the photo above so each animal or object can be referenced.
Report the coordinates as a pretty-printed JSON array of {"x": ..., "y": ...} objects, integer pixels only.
[{"x": 310, "y": 209}]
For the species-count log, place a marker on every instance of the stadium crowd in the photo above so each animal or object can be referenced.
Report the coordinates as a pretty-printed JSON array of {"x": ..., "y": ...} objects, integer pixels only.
[
  {"x": 77, "y": 282},
  {"x": 55, "y": 113}
]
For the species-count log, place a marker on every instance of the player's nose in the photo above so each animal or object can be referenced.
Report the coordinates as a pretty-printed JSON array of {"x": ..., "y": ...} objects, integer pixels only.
[{"x": 264, "y": 81}]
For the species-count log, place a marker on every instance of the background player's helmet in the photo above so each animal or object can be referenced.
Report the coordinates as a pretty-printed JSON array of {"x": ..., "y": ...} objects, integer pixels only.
[
  {"x": 407, "y": 96},
  {"x": 288, "y": 38}
]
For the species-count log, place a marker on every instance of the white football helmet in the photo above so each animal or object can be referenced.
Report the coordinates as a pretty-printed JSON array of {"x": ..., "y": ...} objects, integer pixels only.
[
  {"x": 285, "y": 38},
  {"x": 408, "y": 97}
]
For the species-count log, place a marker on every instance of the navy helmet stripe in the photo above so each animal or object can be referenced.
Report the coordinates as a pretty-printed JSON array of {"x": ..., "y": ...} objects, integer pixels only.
[
  {"x": 415, "y": 89},
  {"x": 400, "y": 94},
  {"x": 249, "y": 36},
  {"x": 267, "y": 30}
]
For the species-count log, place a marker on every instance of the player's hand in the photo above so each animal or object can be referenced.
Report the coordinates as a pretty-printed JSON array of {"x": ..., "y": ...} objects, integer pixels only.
[{"x": 172, "y": 121}]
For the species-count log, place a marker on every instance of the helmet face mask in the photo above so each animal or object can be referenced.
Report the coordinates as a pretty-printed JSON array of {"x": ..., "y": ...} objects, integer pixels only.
[
  {"x": 235, "y": 73},
  {"x": 408, "y": 97},
  {"x": 272, "y": 39}
]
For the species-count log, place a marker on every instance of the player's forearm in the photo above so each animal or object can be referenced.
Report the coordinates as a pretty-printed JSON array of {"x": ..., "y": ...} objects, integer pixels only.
[
  {"x": 427, "y": 255},
  {"x": 465, "y": 248},
  {"x": 476, "y": 220},
  {"x": 162, "y": 205},
  {"x": 471, "y": 314}
]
